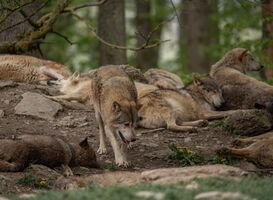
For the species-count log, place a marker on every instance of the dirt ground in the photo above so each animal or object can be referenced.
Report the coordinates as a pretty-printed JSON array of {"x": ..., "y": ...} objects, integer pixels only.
[{"x": 148, "y": 151}]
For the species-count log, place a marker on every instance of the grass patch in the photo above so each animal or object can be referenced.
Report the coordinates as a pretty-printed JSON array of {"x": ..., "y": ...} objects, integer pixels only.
[
  {"x": 183, "y": 156},
  {"x": 31, "y": 181},
  {"x": 224, "y": 159},
  {"x": 260, "y": 188}
]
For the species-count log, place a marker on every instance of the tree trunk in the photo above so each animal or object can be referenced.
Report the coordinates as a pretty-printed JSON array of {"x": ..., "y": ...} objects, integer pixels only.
[
  {"x": 111, "y": 27},
  {"x": 14, "y": 33},
  {"x": 198, "y": 34},
  {"x": 267, "y": 9},
  {"x": 145, "y": 23}
]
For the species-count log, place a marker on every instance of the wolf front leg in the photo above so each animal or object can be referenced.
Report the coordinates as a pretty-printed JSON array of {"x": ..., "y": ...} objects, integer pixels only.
[
  {"x": 120, "y": 151},
  {"x": 102, "y": 147}
]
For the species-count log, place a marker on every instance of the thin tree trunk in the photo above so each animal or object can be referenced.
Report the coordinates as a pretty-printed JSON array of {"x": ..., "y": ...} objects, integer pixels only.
[
  {"x": 111, "y": 27},
  {"x": 267, "y": 9},
  {"x": 199, "y": 32},
  {"x": 145, "y": 23}
]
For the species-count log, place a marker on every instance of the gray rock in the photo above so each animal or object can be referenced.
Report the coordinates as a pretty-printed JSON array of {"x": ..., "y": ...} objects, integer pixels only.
[
  {"x": 4, "y": 84},
  {"x": 173, "y": 175},
  {"x": 6, "y": 102},
  {"x": 36, "y": 105}
]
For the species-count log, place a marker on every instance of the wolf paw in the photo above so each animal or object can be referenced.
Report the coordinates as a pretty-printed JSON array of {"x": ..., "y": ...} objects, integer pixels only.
[
  {"x": 123, "y": 164},
  {"x": 130, "y": 146},
  {"x": 203, "y": 123},
  {"x": 102, "y": 150},
  {"x": 67, "y": 171}
]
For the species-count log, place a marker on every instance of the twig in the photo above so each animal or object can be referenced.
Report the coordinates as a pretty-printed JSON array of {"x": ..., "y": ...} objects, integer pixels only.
[
  {"x": 13, "y": 10},
  {"x": 145, "y": 45},
  {"x": 26, "y": 19},
  {"x": 62, "y": 36},
  {"x": 152, "y": 130},
  {"x": 178, "y": 19},
  {"x": 72, "y": 9}
]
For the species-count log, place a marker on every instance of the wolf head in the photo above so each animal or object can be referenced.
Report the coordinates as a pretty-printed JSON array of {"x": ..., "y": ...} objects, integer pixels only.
[
  {"x": 248, "y": 62},
  {"x": 123, "y": 120},
  {"x": 210, "y": 91},
  {"x": 85, "y": 155}
]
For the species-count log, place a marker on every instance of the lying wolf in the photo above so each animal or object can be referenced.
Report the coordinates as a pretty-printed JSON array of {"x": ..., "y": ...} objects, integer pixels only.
[
  {"x": 163, "y": 79},
  {"x": 75, "y": 88},
  {"x": 257, "y": 149},
  {"x": 29, "y": 69},
  {"x": 17, "y": 154},
  {"x": 240, "y": 91},
  {"x": 182, "y": 110},
  {"x": 115, "y": 100}
]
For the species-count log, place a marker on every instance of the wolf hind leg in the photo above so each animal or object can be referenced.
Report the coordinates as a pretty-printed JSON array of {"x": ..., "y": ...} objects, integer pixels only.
[
  {"x": 199, "y": 123},
  {"x": 102, "y": 147},
  {"x": 174, "y": 127}
]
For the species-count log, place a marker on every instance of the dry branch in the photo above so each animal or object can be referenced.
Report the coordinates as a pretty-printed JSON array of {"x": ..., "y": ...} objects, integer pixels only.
[{"x": 145, "y": 45}]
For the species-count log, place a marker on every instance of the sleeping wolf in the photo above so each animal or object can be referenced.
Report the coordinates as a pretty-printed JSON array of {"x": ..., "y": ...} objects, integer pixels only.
[
  {"x": 75, "y": 88},
  {"x": 115, "y": 100},
  {"x": 163, "y": 79},
  {"x": 182, "y": 110},
  {"x": 257, "y": 149},
  {"x": 241, "y": 91},
  {"x": 17, "y": 154},
  {"x": 29, "y": 69}
]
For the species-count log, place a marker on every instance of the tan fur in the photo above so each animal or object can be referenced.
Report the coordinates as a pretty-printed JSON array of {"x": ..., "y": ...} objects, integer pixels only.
[
  {"x": 17, "y": 154},
  {"x": 143, "y": 89},
  {"x": 163, "y": 79},
  {"x": 240, "y": 91},
  {"x": 75, "y": 88},
  {"x": 114, "y": 99},
  {"x": 29, "y": 69},
  {"x": 259, "y": 150},
  {"x": 181, "y": 110}
]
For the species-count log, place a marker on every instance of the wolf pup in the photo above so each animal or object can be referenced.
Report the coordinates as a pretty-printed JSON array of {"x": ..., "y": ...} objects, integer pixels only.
[
  {"x": 17, "y": 154},
  {"x": 115, "y": 101}
]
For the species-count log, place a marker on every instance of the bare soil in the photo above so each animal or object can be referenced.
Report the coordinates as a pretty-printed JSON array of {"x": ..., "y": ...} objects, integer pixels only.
[{"x": 148, "y": 151}]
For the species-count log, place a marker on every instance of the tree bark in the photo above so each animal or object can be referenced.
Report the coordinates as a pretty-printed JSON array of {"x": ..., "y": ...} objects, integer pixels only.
[
  {"x": 267, "y": 9},
  {"x": 111, "y": 27},
  {"x": 145, "y": 23},
  {"x": 14, "y": 33},
  {"x": 199, "y": 33}
]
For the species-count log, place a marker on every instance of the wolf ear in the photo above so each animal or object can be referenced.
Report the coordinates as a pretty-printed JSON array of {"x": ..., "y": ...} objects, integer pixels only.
[
  {"x": 196, "y": 81},
  {"x": 76, "y": 75},
  {"x": 242, "y": 55},
  {"x": 84, "y": 144},
  {"x": 116, "y": 106}
]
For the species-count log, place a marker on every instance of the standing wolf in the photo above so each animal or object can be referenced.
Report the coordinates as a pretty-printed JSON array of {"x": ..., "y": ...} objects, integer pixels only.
[
  {"x": 240, "y": 91},
  {"x": 114, "y": 99}
]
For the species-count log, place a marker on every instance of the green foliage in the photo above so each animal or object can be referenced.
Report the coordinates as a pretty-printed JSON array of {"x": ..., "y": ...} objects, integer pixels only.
[
  {"x": 183, "y": 156},
  {"x": 223, "y": 159},
  {"x": 30, "y": 180}
]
